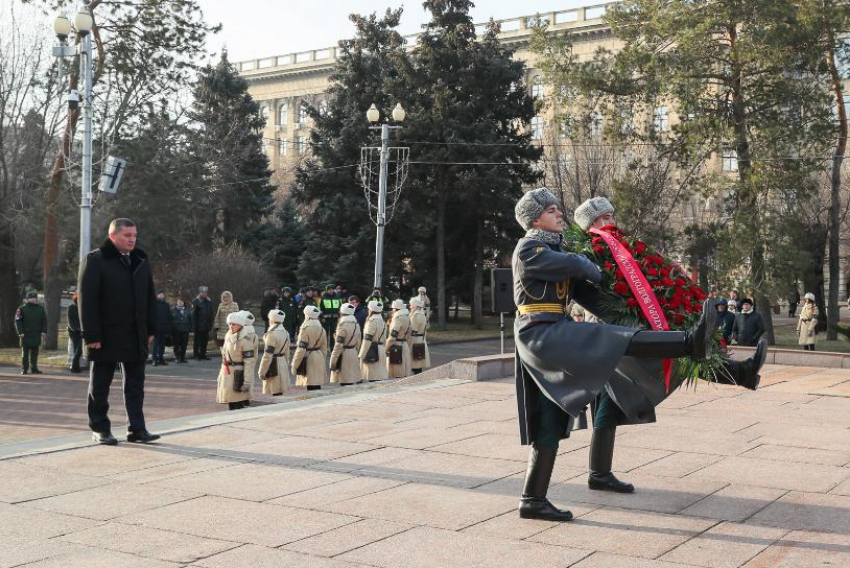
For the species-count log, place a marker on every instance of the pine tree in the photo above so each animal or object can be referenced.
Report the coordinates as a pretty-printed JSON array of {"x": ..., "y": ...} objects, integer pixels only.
[
  {"x": 340, "y": 244},
  {"x": 229, "y": 142},
  {"x": 469, "y": 106},
  {"x": 279, "y": 243}
]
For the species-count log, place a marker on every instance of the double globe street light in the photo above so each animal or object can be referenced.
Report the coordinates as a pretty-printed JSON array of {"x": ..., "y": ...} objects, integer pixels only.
[
  {"x": 83, "y": 24},
  {"x": 374, "y": 115}
]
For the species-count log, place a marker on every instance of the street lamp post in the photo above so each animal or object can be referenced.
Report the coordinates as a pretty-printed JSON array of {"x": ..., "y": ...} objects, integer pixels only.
[
  {"x": 83, "y": 24},
  {"x": 374, "y": 115}
]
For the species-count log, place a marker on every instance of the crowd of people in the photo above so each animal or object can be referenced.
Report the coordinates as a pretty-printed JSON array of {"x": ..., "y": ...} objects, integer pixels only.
[{"x": 337, "y": 346}]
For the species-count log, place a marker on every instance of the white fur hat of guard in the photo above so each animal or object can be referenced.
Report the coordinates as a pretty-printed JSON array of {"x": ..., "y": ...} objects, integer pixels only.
[
  {"x": 277, "y": 316},
  {"x": 241, "y": 317},
  {"x": 346, "y": 309},
  {"x": 376, "y": 306},
  {"x": 398, "y": 304},
  {"x": 531, "y": 205},
  {"x": 417, "y": 302},
  {"x": 810, "y": 296},
  {"x": 422, "y": 290},
  {"x": 312, "y": 312},
  {"x": 591, "y": 210}
]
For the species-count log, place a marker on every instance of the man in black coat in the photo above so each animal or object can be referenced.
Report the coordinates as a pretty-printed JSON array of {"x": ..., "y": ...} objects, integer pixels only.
[
  {"x": 202, "y": 315},
  {"x": 75, "y": 334},
  {"x": 118, "y": 311},
  {"x": 748, "y": 327},
  {"x": 163, "y": 328}
]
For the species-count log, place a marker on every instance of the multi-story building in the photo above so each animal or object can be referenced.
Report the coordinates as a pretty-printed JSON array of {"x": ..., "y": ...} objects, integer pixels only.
[{"x": 282, "y": 83}]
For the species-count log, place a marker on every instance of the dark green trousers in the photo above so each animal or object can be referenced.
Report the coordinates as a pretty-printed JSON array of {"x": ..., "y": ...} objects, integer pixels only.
[
  {"x": 29, "y": 358},
  {"x": 553, "y": 423},
  {"x": 606, "y": 414}
]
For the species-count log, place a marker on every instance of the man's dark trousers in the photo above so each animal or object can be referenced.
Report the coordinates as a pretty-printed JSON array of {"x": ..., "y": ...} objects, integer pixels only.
[
  {"x": 159, "y": 347},
  {"x": 181, "y": 341},
  {"x": 29, "y": 358},
  {"x": 100, "y": 379},
  {"x": 199, "y": 347}
]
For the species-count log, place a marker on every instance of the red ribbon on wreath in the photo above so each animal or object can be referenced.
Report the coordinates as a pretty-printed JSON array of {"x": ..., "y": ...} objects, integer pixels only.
[{"x": 647, "y": 300}]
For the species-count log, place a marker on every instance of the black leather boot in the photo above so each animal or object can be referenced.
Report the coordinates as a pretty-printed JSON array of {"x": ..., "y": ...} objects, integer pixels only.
[
  {"x": 695, "y": 343},
  {"x": 534, "y": 504},
  {"x": 601, "y": 459},
  {"x": 745, "y": 373}
]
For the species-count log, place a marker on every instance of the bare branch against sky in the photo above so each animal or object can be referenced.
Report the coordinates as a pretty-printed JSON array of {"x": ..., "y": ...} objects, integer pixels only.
[{"x": 261, "y": 28}]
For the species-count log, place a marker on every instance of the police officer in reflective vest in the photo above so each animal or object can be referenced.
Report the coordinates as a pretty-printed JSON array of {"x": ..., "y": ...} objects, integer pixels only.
[{"x": 330, "y": 305}]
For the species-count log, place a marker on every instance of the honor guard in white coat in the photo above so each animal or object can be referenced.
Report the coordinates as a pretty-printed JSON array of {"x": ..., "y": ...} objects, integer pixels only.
[
  {"x": 420, "y": 358},
  {"x": 274, "y": 366},
  {"x": 398, "y": 348},
  {"x": 308, "y": 362},
  {"x": 373, "y": 360},
  {"x": 238, "y": 361},
  {"x": 426, "y": 303},
  {"x": 345, "y": 367}
]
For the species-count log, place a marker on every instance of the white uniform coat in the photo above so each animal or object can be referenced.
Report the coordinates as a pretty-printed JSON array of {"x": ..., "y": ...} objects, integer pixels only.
[
  {"x": 418, "y": 327},
  {"x": 276, "y": 341},
  {"x": 399, "y": 334},
  {"x": 312, "y": 344},
  {"x": 374, "y": 331},
  {"x": 347, "y": 341},
  {"x": 239, "y": 353}
]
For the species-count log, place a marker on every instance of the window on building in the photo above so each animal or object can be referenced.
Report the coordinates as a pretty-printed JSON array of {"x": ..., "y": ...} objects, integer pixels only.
[
  {"x": 302, "y": 145},
  {"x": 264, "y": 112},
  {"x": 564, "y": 129},
  {"x": 265, "y": 147},
  {"x": 537, "y": 128},
  {"x": 283, "y": 114},
  {"x": 282, "y": 146},
  {"x": 302, "y": 113},
  {"x": 730, "y": 160},
  {"x": 537, "y": 87},
  {"x": 660, "y": 119},
  {"x": 595, "y": 124}
]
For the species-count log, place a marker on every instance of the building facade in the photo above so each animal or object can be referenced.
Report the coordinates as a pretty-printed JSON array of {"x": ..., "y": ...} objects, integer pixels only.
[{"x": 282, "y": 84}]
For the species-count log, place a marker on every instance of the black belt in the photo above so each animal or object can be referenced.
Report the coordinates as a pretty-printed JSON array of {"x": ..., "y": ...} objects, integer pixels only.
[
  {"x": 414, "y": 334},
  {"x": 349, "y": 348},
  {"x": 313, "y": 349}
]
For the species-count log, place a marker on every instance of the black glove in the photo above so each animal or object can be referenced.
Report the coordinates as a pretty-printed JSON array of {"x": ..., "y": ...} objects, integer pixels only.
[{"x": 238, "y": 380}]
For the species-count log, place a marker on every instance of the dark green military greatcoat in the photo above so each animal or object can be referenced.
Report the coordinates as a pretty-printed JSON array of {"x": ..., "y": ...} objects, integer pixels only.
[
  {"x": 30, "y": 323},
  {"x": 562, "y": 365}
]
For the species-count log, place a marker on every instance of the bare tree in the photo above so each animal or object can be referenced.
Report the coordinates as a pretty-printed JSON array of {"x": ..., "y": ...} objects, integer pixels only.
[{"x": 28, "y": 122}]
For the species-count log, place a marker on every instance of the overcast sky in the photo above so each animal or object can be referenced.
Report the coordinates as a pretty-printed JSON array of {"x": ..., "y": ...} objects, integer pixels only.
[
  {"x": 254, "y": 29},
  {"x": 262, "y": 28}
]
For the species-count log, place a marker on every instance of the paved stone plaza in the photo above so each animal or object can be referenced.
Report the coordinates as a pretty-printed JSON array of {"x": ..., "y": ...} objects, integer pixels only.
[{"x": 427, "y": 473}]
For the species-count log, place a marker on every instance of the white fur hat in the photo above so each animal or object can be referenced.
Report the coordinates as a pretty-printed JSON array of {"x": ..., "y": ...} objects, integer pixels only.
[
  {"x": 417, "y": 302},
  {"x": 241, "y": 317},
  {"x": 277, "y": 316},
  {"x": 591, "y": 210},
  {"x": 312, "y": 312},
  {"x": 810, "y": 296},
  {"x": 398, "y": 304},
  {"x": 531, "y": 205},
  {"x": 346, "y": 309},
  {"x": 422, "y": 290},
  {"x": 376, "y": 306}
]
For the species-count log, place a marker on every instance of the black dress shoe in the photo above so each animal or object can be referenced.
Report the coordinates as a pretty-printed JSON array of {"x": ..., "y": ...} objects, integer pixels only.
[
  {"x": 142, "y": 437},
  {"x": 541, "y": 508},
  {"x": 24, "y": 372},
  {"x": 608, "y": 482},
  {"x": 37, "y": 372},
  {"x": 105, "y": 438}
]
